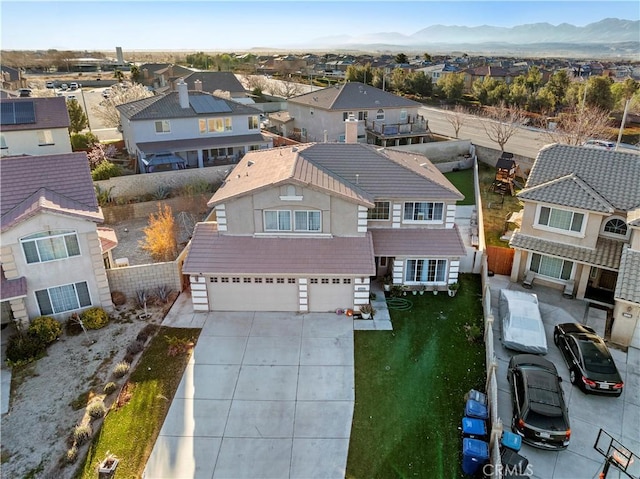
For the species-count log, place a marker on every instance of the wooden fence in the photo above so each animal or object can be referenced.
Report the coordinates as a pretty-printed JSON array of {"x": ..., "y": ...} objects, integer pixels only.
[{"x": 500, "y": 260}]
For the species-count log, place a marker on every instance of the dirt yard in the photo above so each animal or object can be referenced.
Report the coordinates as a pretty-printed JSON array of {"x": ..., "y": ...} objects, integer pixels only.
[{"x": 48, "y": 397}]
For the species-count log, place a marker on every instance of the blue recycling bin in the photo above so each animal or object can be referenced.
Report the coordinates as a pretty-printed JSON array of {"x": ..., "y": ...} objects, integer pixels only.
[
  {"x": 477, "y": 396},
  {"x": 474, "y": 428},
  {"x": 511, "y": 440},
  {"x": 476, "y": 409},
  {"x": 475, "y": 454}
]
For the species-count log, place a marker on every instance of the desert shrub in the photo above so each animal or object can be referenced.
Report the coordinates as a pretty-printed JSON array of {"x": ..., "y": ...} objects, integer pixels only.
[
  {"x": 135, "y": 347},
  {"x": 162, "y": 193},
  {"x": 103, "y": 195},
  {"x": 177, "y": 345},
  {"x": 196, "y": 187},
  {"x": 162, "y": 292},
  {"x": 72, "y": 454},
  {"x": 118, "y": 298},
  {"x": 141, "y": 298},
  {"x": 45, "y": 328},
  {"x": 80, "y": 402},
  {"x": 94, "y": 318},
  {"x": 72, "y": 325},
  {"x": 129, "y": 357},
  {"x": 24, "y": 347},
  {"x": 147, "y": 331},
  {"x": 96, "y": 409},
  {"x": 121, "y": 369},
  {"x": 106, "y": 170},
  {"x": 83, "y": 141},
  {"x": 81, "y": 434},
  {"x": 110, "y": 387}
]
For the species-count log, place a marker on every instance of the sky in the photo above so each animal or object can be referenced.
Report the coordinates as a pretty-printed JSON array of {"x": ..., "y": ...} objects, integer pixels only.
[{"x": 236, "y": 25}]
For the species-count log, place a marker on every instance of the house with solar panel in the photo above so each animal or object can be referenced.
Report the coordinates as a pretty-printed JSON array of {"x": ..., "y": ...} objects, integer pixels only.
[
  {"x": 189, "y": 129},
  {"x": 34, "y": 126},
  {"x": 580, "y": 230},
  {"x": 53, "y": 253},
  {"x": 304, "y": 228}
]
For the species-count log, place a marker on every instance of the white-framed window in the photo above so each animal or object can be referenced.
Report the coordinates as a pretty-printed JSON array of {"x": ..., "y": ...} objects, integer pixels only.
[
  {"x": 50, "y": 246},
  {"x": 557, "y": 268},
  {"x": 423, "y": 211},
  {"x": 45, "y": 137},
  {"x": 362, "y": 115},
  {"x": 425, "y": 270},
  {"x": 346, "y": 115},
  {"x": 307, "y": 221},
  {"x": 615, "y": 227},
  {"x": 403, "y": 115},
  {"x": 560, "y": 219},
  {"x": 254, "y": 122},
  {"x": 380, "y": 114},
  {"x": 60, "y": 299},
  {"x": 277, "y": 220},
  {"x": 228, "y": 125},
  {"x": 163, "y": 126},
  {"x": 202, "y": 126},
  {"x": 381, "y": 211}
]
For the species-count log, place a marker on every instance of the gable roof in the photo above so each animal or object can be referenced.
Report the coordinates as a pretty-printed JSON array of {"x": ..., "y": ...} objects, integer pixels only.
[
  {"x": 628, "y": 284},
  {"x": 353, "y": 96},
  {"x": 355, "y": 171},
  {"x": 50, "y": 112},
  {"x": 162, "y": 107},
  {"x": 599, "y": 179},
  {"x": 58, "y": 183},
  {"x": 212, "y": 81}
]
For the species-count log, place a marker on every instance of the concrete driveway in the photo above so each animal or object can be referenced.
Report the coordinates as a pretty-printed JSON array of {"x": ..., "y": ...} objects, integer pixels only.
[
  {"x": 619, "y": 417},
  {"x": 266, "y": 395}
]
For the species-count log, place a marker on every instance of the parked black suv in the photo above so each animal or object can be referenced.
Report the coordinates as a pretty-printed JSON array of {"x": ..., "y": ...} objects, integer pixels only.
[{"x": 540, "y": 415}]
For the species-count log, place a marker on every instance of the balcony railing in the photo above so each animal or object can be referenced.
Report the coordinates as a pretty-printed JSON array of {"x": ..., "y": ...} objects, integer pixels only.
[{"x": 414, "y": 125}]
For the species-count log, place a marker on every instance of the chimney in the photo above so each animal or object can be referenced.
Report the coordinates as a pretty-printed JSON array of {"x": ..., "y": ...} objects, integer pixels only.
[
  {"x": 326, "y": 136},
  {"x": 183, "y": 94},
  {"x": 351, "y": 130},
  {"x": 197, "y": 85}
]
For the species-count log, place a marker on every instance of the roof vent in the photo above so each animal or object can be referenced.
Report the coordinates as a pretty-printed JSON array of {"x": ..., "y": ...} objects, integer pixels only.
[
  {"x": 294, "y": 149},
  {"x": 249, "y": 163},
  {"x": 357, "y": 179}
]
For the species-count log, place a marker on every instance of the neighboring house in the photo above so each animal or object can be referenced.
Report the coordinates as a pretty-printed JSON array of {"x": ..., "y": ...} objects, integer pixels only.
[
  {"x": 384, "y": 119},
  {"x": 193, "y": 129},
  {"x": 304, "y": 228},
  {"x": 34, "y": 126},
  {"x": 217, "y": 83},
  {"x": 485, "y": 72},
  {"x": 435, "y": 72},
  {"x": 161, "y": 76},
  {"x": 53, "y": 254},
  {"x": 12, "y": 78},
  {"x": 581, "y": 230}
]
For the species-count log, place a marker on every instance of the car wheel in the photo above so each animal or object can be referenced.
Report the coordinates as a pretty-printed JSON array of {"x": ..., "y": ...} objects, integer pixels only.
[
  {"x": 556, "y": 339},
  {"x": 573, "y": 377}
]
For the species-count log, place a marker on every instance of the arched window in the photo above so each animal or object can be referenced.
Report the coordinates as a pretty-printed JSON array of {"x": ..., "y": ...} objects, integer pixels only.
[{"x": 616, "y": 226}]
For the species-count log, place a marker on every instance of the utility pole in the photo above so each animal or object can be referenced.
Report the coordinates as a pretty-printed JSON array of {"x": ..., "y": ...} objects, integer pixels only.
[{"x": 624, "y": 120}]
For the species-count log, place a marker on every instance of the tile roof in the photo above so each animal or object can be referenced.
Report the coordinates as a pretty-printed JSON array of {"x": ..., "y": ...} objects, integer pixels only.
[
  {"x": 212, "y": 253},
  {"x": 61, "y": 183},
  {"x": 108, "y": 238},
  {"x": 611, "y": 175},
  {"x": 50, "y": 112},
  {"x": 628, "y": 284},
  {"x": 200, "y": 143},
  {"x": 418, "y": 242},
  {"x": 353, "y": 96},
  {"x": 606, "y": 254},
  {"x": 168, "y": 106},
  {"x": 12, "y": 288},
  {"x": 212, "y": 81}
]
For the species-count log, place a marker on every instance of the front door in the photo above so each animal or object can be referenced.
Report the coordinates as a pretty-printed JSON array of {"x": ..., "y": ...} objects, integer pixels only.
[{"x": 608, "y": 279}]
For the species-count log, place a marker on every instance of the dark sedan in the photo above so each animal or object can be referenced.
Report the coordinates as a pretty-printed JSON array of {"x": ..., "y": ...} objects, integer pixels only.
[
  {"x": 588, "y": 358},
  {"x": 540, "y": 414}
]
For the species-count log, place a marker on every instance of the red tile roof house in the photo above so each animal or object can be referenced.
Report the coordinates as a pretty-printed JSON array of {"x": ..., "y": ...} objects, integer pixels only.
[
  {"x": 192, "y": 129},
  {"x": 304, "y": 228},
  {"x": 34, "y": 126},
  {"x": 53, "y": 253}
]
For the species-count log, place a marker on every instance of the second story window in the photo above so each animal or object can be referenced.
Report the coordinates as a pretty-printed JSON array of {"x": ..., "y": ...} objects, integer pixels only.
[
  {"x": 380, "y": 114},
  {"x": 163, "y": 126},
  {"x": 423, "y": 211},
  {"x": 277, "y": 220},
  {"x": 42, "y": 247},
  {"x": 254, "y": 124},
  {"x": 616, "y": 226},
  {"x": 307, "y": 221},
  {"x": 380, "y": 211},
  {"x": 560, "y": 219},
  {"x": 362, "y": 115},
  {"x": 45, "y": 137}
]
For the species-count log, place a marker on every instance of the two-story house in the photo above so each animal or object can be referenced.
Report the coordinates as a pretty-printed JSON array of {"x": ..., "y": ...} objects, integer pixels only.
[
  {"x": 34, "y": 126},
  {"x": 219, "y": 84},
  {"x": 385, "y": 119},
  {"x": 189, "y": 128},
  {"x": 304, "y": 228},
  {"x": 579, "y": 227},
  {"x": 53, "y": 254}
]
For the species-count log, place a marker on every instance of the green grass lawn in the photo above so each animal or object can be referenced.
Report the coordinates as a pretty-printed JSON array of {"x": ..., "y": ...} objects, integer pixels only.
[
  {"x": 129, "y": 432},
  {"x": 463, "y": 181},
  {"x": 410, "y": 387}
]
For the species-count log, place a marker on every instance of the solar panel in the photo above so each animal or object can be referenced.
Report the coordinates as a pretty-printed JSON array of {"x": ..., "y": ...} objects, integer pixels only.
[
  {"x": 17, "y": 113},
  {"x": 208, "y": 104}
]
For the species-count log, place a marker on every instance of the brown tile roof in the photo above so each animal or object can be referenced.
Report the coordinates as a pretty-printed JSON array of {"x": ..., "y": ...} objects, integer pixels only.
[
  {"x": 212, "y": 253},
  {"x": 61, "y": 183},
  {"x": 108, "y": 238},
  {"x": 628, "y": 284},
  {"x": 422, "y": 242},
  {"x": 50, "y": 112}
]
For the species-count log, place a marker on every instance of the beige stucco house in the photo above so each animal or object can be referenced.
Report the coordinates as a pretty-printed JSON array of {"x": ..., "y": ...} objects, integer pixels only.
[
  {"x": 305, "y": 228},
  {"x": 53, "y": 253},
  {"x": 580, "y": 230}
]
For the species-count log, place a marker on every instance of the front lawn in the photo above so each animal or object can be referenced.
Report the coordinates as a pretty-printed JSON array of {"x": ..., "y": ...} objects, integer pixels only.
[{"x": 410, "y": 386}]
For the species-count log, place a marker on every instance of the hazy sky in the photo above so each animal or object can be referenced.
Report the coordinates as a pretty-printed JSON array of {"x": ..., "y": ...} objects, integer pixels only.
[{"x": 235, "y": 25}]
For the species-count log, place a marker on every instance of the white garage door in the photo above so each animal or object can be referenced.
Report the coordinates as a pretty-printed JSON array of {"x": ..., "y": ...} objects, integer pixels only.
[
  {"x": 253, "y": 296},
  {"x": 329, "y": 294}
]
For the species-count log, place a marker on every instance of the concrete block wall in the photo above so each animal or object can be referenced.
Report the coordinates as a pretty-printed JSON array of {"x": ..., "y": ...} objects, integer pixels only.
[
  {"x": 490, "y": 157},
  {"x": 131, "y": 279},
  {"x": 116, "y": 213},
  {"x": 438, "y": 151}
]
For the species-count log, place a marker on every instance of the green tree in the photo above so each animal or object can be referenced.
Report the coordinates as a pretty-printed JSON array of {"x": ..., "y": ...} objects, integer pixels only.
[
  {"x": 362, "y": 74},
  {"x": 479, "y": 89},
  {"x": 419, "y": 84},
  {"x": 598, "y": 94},
  {"x": 427, "y": 57},
  {"x": 401, "y": 58},
  {"x": 451, "y": 86},
  {"x": 544, "y": 101},
  {"x": 78, "y": 120},
  {"x": 135, "y": 74},
  {"x": 623, "y": 91},
  {"x": 557, "y": 85},
  {"x": 499, "y": 93},
  {"x": 118, "y": 75},
  {"x": 399, "y": 80},
  {"x": 533, "y": 79},
  {"x": 518, "y": 94}
]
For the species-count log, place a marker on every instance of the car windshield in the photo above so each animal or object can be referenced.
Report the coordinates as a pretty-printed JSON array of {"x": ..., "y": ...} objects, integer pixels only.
[{"x": 597, "y": 357}]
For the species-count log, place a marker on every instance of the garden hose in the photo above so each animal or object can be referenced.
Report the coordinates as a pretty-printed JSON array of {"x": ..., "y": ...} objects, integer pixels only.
[{"x": 399, "y": 304}]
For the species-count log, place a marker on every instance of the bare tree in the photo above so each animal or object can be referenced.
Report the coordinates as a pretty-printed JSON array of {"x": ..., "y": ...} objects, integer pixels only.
[
  {"x": 580, "y": 124},
  {"x": 503, "y": 123},
  {"x": 255, "y": 82},
  {"x": 107, "y": 110},
  {"x": 457, "y": 118},
  {"x": 286, "y": 89}
]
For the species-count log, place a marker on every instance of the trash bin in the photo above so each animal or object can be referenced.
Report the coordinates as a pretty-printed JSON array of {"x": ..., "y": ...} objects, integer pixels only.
[
  {"x": 477, "y": 396},
  {"x": 476, "y": 409},
  {"x": 474, "y": 454},
  {"x": 474, "y": 428},
  {"x": 511, "y": 440},
  {"x": 513, "y": 464}
]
